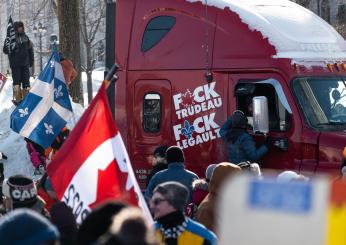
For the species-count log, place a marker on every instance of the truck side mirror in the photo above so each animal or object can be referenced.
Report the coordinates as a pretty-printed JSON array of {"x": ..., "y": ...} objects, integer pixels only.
[{"x": 260, "y": 114}]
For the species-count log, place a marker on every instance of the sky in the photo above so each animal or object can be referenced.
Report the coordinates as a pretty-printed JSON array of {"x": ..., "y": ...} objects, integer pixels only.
[{"x": 13, "y": 145}]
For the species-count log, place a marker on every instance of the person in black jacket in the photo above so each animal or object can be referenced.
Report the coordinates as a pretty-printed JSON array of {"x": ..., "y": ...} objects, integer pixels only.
[
  {"x": 21, "y": 60},
  {"x": 158, "y": 161}
]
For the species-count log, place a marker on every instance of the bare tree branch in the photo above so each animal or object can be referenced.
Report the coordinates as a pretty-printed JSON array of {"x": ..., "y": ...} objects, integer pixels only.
[
  {"x": 54, "y": 5},
  {"x": 92, "y": 13},
  {"x": 44, "y": 3}
]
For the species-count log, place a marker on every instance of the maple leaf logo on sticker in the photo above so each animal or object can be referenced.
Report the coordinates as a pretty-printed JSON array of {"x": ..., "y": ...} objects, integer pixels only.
[{"x": 187, "y": 99}]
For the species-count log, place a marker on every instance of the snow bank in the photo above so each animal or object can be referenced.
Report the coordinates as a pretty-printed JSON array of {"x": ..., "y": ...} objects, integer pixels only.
[{"x": 12, "y": 144}]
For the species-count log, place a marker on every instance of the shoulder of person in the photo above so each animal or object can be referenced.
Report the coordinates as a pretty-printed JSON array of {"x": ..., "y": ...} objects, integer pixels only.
[
  {"x": 194, "y": 175},
  {"x": 201, "y": 230},
  {"x": 159, "y": 174},
  {"x": 245, "y": 137}
]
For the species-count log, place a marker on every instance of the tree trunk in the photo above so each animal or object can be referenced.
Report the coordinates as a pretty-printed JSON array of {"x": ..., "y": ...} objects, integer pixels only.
[
  {"x": 69, "y": 43},
  {"x": 89, "y": 69}
]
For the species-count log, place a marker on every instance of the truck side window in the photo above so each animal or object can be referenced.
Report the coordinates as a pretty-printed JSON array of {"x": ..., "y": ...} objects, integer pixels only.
[
  {"x": 152, "y": 113},
  {"x": 156, "y": 29},
  {"x": 279, "y": 117}
]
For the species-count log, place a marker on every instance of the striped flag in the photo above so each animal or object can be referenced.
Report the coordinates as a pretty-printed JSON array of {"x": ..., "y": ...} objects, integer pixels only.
[
  {"x": 93, "y": 166},
  {"x": 10, "y": 41},
  {"x": 47, "y": 107}
]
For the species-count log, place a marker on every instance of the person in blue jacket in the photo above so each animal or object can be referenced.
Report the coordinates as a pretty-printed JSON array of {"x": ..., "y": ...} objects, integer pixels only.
[
  {"x": 240, "y": 145},
  {"x": 176, "y": 172}
]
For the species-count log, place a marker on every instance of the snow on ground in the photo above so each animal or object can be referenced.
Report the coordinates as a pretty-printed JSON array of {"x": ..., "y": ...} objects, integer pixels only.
[
  {"x": 97, "y": 77},
  {"x": 13, "y": 145}
]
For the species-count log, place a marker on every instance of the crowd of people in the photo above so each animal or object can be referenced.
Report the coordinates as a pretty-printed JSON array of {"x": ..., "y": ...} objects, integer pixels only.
[{"x": 183, "y": 206}]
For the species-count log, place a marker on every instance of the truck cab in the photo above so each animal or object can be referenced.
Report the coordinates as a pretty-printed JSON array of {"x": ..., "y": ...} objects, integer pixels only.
[{"x": 186, "y": 66}]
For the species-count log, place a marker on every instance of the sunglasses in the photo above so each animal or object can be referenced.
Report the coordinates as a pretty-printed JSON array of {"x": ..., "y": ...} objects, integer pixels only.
[{"x": 157, "y": 201}]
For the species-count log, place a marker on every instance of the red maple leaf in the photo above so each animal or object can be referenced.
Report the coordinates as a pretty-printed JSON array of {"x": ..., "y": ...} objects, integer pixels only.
[
  {"x": 187, "y": 99},
  {"x": 111, "y": 184}
]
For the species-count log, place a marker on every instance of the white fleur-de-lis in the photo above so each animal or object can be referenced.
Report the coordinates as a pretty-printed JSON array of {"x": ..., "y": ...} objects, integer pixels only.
[
  {"x": 24, "y": 112},
  {"x": 57, "y": 91},
  {"x": 49, "y": 128},
  {"x": 52, "y": 63}
]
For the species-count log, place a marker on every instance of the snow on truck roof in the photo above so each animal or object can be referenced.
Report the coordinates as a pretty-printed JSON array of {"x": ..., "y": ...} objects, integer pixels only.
[{"x": 294, "y": 31}]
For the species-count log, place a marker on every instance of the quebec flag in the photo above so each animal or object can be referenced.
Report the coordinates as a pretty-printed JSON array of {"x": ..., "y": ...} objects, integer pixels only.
[{"x": 47, "y": 107}]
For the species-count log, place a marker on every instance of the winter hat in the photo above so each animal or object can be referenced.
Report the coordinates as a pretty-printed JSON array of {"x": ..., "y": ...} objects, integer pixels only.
[
  {"x": 98, "y": 221},
  {"x": 287, "y": 176},
  {"x": 18, "y": 24},
  {"x": 128, "y": 222},
  {"x": 21, "y": 189},
  {"x": 239, "y": 120},
  {"x": 24, "y": 226},
  {"x": 174, "y": 193},
  {"x": 222, "y": 172},
  {"x": 209, "y": 171},
  {"x": 161, "y": 151},
  {"x": 174, "y": 154},
  {"x": 62, "y": 216}
]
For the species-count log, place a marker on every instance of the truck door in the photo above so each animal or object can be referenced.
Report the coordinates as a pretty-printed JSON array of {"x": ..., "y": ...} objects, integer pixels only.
[
  {"x": 152, "y": 103},
  {"x": 285, "y": 152}
]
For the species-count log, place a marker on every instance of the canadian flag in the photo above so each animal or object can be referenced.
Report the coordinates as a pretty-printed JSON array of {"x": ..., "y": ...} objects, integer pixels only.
[
  {"x": 2, "y": 81},
  {"x": 93, "y": 166}
]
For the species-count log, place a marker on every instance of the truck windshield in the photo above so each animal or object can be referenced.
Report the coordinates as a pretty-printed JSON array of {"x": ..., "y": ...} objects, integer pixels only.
[{"x": 323, "y": 101}]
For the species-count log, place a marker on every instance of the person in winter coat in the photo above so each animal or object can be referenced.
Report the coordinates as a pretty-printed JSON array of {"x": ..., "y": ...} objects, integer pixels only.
[
  {"x": 206, "y": 213},
  {"x": 240, "y": 145},
  {"x": 20, "y": 191},
  {"x": 39, "y": 155},
  {"x": 21, "y": 60},
  {"x": 171, "y": 226},
  {"x": 176, "y": 172},
  {"x": 24, "y": 226},
  {"x": 200, "y": 191},
  {"x": 158, "y": 161}
]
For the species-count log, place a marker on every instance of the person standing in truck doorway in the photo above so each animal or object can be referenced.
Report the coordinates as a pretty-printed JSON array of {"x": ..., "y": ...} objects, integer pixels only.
[
  {"x": 21, "y": 60},
  {"x": 240, "y": 145}
]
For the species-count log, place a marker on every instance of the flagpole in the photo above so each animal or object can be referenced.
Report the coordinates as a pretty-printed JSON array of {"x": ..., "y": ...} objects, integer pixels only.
[
  {"x": 110, "y": 78},
  {"x": 111, "y": 75}
]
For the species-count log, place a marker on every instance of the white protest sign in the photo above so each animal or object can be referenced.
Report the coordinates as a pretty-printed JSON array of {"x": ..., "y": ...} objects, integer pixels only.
[{"x": 267, "y": 212}]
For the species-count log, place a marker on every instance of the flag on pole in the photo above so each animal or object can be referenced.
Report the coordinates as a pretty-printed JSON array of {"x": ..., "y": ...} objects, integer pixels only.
[
  {"x": 93, "y": 166},
  {"x": 47, "y": 107},
  {"x": 10, "y": 41},
  {"x": 2, "y": 81}
]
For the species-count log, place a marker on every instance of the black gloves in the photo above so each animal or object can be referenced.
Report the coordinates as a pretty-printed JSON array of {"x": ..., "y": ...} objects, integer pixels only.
[
  {"x": 3, "y": 156},
  {"x": 268, "y": 140}
]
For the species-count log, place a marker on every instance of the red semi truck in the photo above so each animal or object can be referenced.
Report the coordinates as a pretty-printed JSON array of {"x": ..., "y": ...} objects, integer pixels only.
[{"x": 186, "y": 65}]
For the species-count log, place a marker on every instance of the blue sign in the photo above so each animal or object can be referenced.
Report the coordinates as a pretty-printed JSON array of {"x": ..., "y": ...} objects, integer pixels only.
[{"x": 293, "y": 197}]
